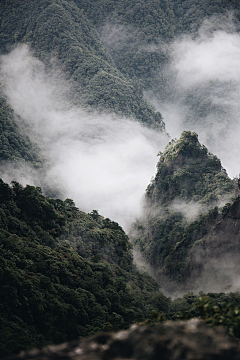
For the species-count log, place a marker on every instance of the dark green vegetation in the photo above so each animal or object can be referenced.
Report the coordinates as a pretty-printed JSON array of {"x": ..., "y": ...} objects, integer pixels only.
[
  {"x": 61, "y": 30},
  {"x": 14, "y": 145},
  {"x": 110, "y": 51},
  {"x": 187, "y": 171},
  {"x": 54, "y": 290},
  {"x": 139, "y": 34},
  {"x": 216, "y": 309},
  {"x": 189, "y": 182},
  {"x": 64, "y": 273},
  {"x": 136, "y": 31}
]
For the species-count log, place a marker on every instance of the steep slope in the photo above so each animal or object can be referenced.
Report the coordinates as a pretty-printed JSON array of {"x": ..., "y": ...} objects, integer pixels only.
[
  {"x": 189, "y": 182},
  {"x": 187, "y": 171},
  {"x": 214, "y": 258},
  {"x": 136, "y": 32},
  {"x": 110, "y": 72},
  {"x": 60, "y": 30},
  {"x": 64, "y": 273},
  {"x": 14, "y": 144}
]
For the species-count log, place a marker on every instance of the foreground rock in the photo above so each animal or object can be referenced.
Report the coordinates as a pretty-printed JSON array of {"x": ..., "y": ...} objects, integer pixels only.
[{"x": 191, "y": 339}]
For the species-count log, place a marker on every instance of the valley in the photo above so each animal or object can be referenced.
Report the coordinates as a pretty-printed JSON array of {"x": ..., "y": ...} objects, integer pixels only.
[{"x": 119, "y": 167}]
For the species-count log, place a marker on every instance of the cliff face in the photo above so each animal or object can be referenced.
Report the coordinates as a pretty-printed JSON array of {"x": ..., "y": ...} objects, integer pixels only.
[{"x": 189, "y": 340}]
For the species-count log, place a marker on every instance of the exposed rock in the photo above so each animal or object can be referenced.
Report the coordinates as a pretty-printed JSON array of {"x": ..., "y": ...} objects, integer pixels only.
[{"x": 179, "y": 340}]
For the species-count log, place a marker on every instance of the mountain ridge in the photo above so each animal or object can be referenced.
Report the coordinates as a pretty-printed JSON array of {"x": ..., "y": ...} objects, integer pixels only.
[{"x": 67, "y": 274}]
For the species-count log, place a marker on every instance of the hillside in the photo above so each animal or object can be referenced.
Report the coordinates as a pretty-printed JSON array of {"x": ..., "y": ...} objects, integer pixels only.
[
  {"x": 65, "y": 274},
  {"x": 55, "y": 290},
  {"x": 14, "y": 144},
  {"x": 189, "y": 183},
  {"x": 136, "y": 33},
  {"x": 83, "y": 86},
  {"x": 61, "y": 31},
  {"x": 111, "y": 53}
]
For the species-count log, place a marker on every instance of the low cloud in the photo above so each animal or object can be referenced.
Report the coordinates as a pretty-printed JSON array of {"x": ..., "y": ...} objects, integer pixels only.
[
  {"x": 100, "y": 161},
  {"x": 190, "y": 210},
  {"x": 203, "y": 85}
]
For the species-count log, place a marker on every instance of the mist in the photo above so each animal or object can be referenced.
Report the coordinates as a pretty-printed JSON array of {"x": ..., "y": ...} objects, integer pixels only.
[
  {"x": 203, "y": 76},
  {"x": 202, "y": 81},
  {"x": 100, "y": 161},
  {"x": 104, "y": 162}
]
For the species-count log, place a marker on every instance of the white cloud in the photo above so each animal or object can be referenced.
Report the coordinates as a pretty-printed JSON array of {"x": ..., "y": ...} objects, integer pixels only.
[
  {"x": 102, "y": 162},
  {"x": 204, "y": 80}
]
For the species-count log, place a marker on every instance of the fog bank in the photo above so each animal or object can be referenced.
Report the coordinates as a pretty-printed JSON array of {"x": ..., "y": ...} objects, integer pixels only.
[
  {"x": 100, "y": 161},
  {"x": 203, "y": 76}
]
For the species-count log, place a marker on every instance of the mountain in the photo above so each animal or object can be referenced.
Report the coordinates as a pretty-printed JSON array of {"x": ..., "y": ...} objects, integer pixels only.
[
  {"x": 182, "y": 216},
  {"x": 60, "y": 30},
  {"x": 15, "y": 145},
  {"x": 64, "y": 273},
  {"x": 136, "y": 33},
  {"x": 111, "y": 52}
]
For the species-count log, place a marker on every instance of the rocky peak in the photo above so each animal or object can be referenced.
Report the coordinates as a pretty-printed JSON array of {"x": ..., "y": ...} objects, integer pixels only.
[{"x": 187, "y": 171}]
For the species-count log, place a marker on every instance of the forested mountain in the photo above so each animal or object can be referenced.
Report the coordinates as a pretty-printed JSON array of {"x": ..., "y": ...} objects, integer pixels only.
[
  {"x": 111, "y": 52},
  {"x": 183, "y": 229},
  {"x": 65, "y": 273},
  {"x": 15, "y": 145},
  {"x": 61, "y": 30},
  {"x": 135, "y": 32}
]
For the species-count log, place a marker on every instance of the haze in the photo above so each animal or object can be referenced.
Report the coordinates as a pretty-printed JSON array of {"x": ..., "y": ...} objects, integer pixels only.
[
  {"x": 204, "y": 79},
  {"x": 102, "y": 162}
]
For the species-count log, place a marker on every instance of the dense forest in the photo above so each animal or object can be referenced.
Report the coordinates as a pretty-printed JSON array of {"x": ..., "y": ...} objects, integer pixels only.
[
  {"x": 66, "y": 273},
  {"x": 181, "y": 207},
  {"x": 62, "y": 30}
]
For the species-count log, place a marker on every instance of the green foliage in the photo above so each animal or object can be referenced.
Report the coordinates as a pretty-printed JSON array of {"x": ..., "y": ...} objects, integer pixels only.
[
  {"x": 216, "y": 309},
  {"x": 14, "y": 145},
  {"x": 135, "y": 32},
  {"x": 188, "y": 179},
  {"x": 108, "y": 72},
  {"x": 61, "y": 30},
  {"x": 224, "y": 314},
  {"x": 64, "y": 273},
  {"x": 187, "y": 171}
]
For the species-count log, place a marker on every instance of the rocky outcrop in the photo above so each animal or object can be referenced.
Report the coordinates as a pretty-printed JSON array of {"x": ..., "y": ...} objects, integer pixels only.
[{"x": 190, "y": 340}]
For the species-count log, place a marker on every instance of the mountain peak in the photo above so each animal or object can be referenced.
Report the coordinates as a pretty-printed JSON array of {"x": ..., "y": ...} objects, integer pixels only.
[
  {"x": 186, "y": 147},
  {"x": 187, "y": 171}
]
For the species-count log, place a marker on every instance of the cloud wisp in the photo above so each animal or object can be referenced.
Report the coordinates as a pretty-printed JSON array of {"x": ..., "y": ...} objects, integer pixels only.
[
  {"x": 203, "y": 76},
  {"x": 100, "y": 161}
]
